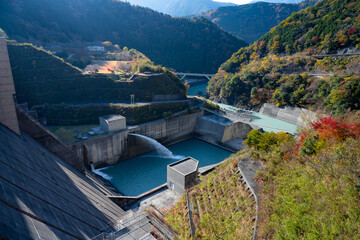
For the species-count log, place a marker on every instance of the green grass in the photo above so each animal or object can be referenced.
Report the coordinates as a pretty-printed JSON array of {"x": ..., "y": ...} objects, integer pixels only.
[
  {"x": 311, "y": 194},
  {"x": 66, "y": 135}
]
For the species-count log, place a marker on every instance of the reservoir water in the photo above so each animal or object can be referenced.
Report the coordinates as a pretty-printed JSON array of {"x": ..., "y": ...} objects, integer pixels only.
[
  {"x": 143, "y": 173},
  {"x": 197, "y": 89},
  {"x": 268, "y": 124}
]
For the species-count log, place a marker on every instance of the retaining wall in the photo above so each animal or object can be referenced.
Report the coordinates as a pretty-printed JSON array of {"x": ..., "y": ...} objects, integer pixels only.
[
  {"x": 169, "y": 97},
  {"x": 298, "y": 116},
  {"x": 49, "y": 140}
]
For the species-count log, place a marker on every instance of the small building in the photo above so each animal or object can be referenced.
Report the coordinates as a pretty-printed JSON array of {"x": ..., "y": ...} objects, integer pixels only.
[
  {"x": 111, "y": 123},
  {"x": 96, "y": 48},
  {"x": 182, "y": 174}
]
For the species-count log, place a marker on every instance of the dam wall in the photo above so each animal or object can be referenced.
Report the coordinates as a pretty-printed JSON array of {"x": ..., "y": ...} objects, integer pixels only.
[
  {"x": 298, "y": 116},
  {"x": 119, "y": 146}
]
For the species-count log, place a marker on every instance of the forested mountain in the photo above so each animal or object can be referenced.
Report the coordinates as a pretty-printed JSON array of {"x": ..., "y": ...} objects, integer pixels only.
[
  {"x": 180, "y": 8},
  {"x": 275, "y": 68},
  {"x": 251, "y": 21},
  {"x": 195, "y": 45},
  {"x": 41, "y": 77}
]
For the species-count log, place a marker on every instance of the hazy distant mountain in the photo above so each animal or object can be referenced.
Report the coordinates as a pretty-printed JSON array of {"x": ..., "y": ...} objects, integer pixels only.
[
  {"x": 194, "y": 45},
  {"x": 277, "y": 1},
  {"x": 251, "y": 21},
  {"x": 180, "y": 8}
]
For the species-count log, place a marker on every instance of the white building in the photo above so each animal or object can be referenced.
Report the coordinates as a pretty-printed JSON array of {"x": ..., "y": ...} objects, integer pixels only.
[
  {"x": 111, "y": 123},
  {"x": 96, "y": 48}
]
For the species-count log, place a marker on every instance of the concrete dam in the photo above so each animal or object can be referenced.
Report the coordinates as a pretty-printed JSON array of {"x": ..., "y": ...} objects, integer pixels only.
[{"x": 122, "y": 145}]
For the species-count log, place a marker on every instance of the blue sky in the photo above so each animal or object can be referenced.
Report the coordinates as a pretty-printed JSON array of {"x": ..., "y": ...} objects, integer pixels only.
[{"x": 235, "y": 1}]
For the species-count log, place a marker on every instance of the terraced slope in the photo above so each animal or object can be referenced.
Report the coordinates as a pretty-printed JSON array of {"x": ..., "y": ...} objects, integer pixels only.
[
  {"x": 40, "y": 78},
  {"x": 222, "y": 207}
]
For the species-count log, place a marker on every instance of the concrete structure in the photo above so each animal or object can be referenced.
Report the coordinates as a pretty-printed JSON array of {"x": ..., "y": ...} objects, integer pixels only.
[
  {"x": 183, "y": 75},
  {"x": 120, "y": 146},
  {"x": 48, "y": 139},
  {"x": 7, "y": 90},
  {"x": 298, "y": 116},
  {"x": 221, "y": 129},
  {"x": 42, "y": 197},
  {"x": 168, "y": 97},
  {"x": 96, "y": 48},
  {"x": 112, "y": 123},
  {"x": 182, "y": 174}
]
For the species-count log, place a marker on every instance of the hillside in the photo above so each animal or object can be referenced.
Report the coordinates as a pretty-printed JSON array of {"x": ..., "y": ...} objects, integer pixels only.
[
  {"x": 222, "y": 206},
  {"x": 195, "y": 45},
  {"x": 309, "y": 185},
  {"x": 251, "y": 21},
  {"x": 40, "y": 78},
  {"x": 275, "y": 68},
  {"x": 180, "y": 8}
]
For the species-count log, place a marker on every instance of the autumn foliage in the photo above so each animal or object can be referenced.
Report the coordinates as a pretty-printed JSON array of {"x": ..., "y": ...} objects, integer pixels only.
[{"x": 329, "y": 128}]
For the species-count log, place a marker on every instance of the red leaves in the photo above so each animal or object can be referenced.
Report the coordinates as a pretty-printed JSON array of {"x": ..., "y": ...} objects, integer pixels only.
[
  {"x": 351, "y": 31},
  {"x": 315, "y": 39},
  {"x": 328, "y": 127}
]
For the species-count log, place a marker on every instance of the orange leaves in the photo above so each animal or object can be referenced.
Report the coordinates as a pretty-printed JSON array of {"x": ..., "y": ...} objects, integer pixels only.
[{"x": 328, "y": 128}]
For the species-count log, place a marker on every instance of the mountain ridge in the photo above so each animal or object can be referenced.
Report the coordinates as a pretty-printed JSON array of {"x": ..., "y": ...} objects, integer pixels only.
[
  {"x": 251, "y": 21},
  {"x": 198, "y": 44},
  {"x": 180, "y": 8}
]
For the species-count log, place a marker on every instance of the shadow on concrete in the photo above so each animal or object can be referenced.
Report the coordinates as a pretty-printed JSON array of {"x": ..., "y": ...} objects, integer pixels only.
[{"x": 42, "y": 197}]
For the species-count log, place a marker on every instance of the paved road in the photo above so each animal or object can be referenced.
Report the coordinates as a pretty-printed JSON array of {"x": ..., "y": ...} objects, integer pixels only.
[{"x": 124, "y": 103}]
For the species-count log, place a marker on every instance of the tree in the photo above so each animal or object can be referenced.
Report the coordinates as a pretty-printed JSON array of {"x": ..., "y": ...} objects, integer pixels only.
[
  {"x": 328, "y": 44},
  {"x": 342, "y": 39},
  {"x": 276, "y": 47},
  {"x": 108, "y": 44}
]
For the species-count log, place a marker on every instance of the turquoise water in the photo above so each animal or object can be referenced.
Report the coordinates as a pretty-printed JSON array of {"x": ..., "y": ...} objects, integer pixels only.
[
  {"x": 267, "y": 123},
  {"x": 143, "y": 173},
  {"x": 195, "y": 89}
]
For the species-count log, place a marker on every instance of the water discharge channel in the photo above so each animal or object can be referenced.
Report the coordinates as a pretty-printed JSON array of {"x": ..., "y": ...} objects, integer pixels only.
[
  {"x": 145, "y": 172},
  {"x": 268, "y": 124}
]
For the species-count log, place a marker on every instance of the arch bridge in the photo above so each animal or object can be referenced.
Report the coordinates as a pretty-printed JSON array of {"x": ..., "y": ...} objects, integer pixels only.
[{"x": 183, "y": 75}]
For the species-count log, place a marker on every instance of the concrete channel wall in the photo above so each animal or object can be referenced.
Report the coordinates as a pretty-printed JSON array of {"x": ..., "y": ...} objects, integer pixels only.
[
  {"x": 221, "y": 129},
  {"x": 120, "y": 146},
  {"x": 298, "y": 116}
]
